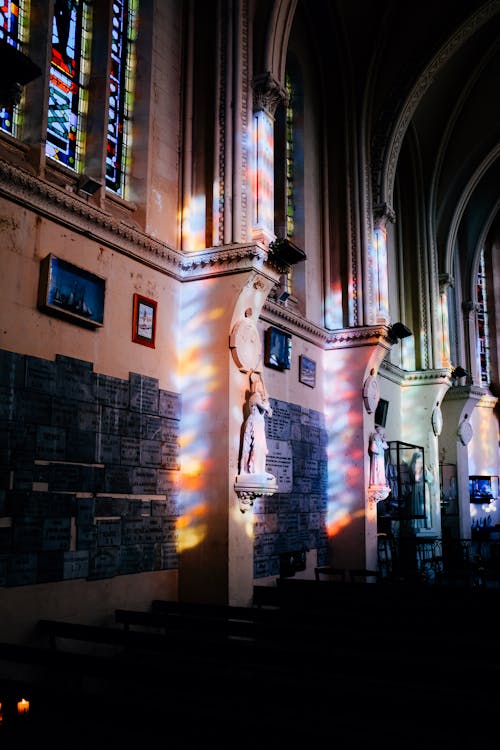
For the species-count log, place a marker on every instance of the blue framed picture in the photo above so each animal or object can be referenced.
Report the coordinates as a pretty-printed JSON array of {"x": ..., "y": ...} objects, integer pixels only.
[
  {"x": 71, "y": 292},
  {"x": 278, "y": 349},
  {"x": 307, "y": 371}
]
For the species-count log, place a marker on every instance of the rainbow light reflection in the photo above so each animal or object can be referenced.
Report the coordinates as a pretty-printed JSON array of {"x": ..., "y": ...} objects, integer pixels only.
[{"x": 343, "y": 461}]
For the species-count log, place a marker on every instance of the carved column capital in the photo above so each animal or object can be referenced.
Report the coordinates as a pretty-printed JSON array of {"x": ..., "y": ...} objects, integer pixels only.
[
  {"x": 383, "y": 213},
  {"x": 267, "y": 94},
  {"x": 445, "y": 280},
  {"x": 469, "y": 307}
]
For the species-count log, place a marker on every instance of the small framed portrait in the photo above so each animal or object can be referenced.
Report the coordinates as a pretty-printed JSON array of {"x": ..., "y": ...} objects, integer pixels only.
[
  {"x": 278, "y": 349},
  {"x": 307, "y": 371},
  {"x": 144, "y": 320}
]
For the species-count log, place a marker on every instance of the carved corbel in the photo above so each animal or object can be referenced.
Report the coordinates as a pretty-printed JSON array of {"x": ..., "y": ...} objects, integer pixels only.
[{"x": 267, "y": 94}]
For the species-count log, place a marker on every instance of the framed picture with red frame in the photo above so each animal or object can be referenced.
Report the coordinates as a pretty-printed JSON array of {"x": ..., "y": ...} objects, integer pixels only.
[{"x": 144, "y": 320}]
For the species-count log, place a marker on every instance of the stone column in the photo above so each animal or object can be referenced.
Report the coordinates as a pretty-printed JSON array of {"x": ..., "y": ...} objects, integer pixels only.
[{"x": 267, "y": 95}]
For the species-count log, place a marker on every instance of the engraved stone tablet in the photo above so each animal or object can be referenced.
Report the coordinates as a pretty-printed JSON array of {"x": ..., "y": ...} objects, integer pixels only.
[
  {"x": 150, "y": 452},
  {"x": 170, "y": 405},
  {"x": 108, "y": 533},
  {"x": 112, "y": 391},
  {"x": 144, "y": 393},
  {"x": 130, "y": 451},
  {"x": 40, "y": 375},
  {"x": 108, "y": 448},
  {"x": 56, "y": 534},
  {"x": 279, "y": 462},
  {"x": 76, "y": 565}
]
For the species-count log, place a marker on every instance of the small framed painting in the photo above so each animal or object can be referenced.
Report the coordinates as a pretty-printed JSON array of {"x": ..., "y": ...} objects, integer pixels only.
[
  {"x": 144, "y": 320},
  {"x": 307, "y": 371},
  {"x": 70, "y": 292}
]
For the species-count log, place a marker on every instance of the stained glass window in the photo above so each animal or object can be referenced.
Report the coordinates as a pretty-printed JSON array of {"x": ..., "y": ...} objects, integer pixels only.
[
  {"x": 290, "y": 213},
  {"x": 11, "y": 15},
  {"x": 482, "y": 319},
  {"x": 66, "y": 85},
  {"x": 124, "y": 15}
]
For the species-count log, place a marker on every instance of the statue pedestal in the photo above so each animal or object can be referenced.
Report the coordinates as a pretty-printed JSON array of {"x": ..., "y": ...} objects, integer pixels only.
[
  {"x": 378, "y": 492},
  {"x": 250, "y": 486}
]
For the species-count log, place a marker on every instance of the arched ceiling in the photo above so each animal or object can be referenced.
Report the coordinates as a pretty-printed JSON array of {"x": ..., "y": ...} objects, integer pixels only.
[{"x": 431, "y": 68}]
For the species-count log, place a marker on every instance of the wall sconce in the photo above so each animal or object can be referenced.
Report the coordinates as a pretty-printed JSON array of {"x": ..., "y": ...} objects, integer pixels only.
[
  {"x": 457, "y": 373},
  {"x": 399, "y": 331},
  {"x": 87, "y": 185}
]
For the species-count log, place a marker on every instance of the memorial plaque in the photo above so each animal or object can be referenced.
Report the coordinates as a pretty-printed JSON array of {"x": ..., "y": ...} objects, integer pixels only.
[
  {"x": 159, "y": 508},
  {"x": 64, "y": 413},
  {"x": 311, "y": 468},
  {"x": 27, "y": 534},
  {"x": 130, "y": 451},
  {"x": 85, "y": 536},
  {"x": 169, "y": 557},
  {"x": 133, "y": 531},
  {"x": 170, "y": 430},
  {"x": 151, "y": 559},
  {"x": 35, "y": 408},
  {"x": 138, "y": 508},
  {"x": 76, "y": 565},
  {"x": 168, "y": 483},
  {"x": 118, "y": 479},
  {"x": 104, "y": 506},
  {"x": 261, "y": 568},
  {"x": 112, "y": 391},
  {"x": 170, "y": 457},
  {"x": 303, "y": 503},
  {"x": 111, "y": 420},
  {"x": 153, "y": 530},
  {"x": 170, "y": 405},
  {"x": 108, "y": 448},
  {"x": 314, "y": 520},
  {"x": 104, "y": 563},
  {"x": 310, "y": 435},
  {"x": 266, "y": 523},
  {"x": 144, "y": 481},
  {"x": 85, "y": 511},
  {"x": 12, "y": 369},
  {"x": 278, "y": 426},
  {"x": 22, "y": 569},
  {"x": 7, "y": 404},
  {"x": 150, "y": 452},
  {"x": 65, "y": 477},
  {"x": 40, "y": 375},
  {"x": 89, "y": 417},
  {"x": 144, "y": 393},
  {"x": 81, "y": 446},
  {"x": 50, "y": 567},
  {"x": 279, "y": 463},
  {"x": 109, "y": 532},
  {"x": 120, "y": 506},
  {"x": 56, "y": 534},
  {"x": 131, "y": 559},
  {"x": 130, "y": 424},
  {"x": 151, "y": 427},
  {"x": 75, "y": 379}
]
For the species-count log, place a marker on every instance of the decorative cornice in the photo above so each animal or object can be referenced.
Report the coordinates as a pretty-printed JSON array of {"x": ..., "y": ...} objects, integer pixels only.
[
  {"x": 472, "y": 392},
  {"x": 414, "y": 377},
  {"x": 69, "y": 210},
  {"x": 360, "y": 336}
]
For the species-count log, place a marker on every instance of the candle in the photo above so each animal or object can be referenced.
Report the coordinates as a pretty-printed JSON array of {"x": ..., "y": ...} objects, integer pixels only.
[{"x": 23, "y": 706}]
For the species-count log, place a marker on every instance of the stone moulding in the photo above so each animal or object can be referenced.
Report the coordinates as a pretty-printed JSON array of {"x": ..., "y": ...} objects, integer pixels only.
[{"x": 67, "y": 209}]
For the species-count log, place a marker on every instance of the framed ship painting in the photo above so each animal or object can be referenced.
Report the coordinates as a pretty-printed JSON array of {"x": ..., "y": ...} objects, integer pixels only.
[{"x": 70, "y": 292}]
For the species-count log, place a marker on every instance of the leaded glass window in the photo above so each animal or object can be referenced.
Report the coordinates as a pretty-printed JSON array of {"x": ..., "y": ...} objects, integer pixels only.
[
  {"x": 11, "y": 32},
  {"x": 66, "y": 88},
  {"x": 482, "y": 319},
  {"x": 123, "y": 24}
]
